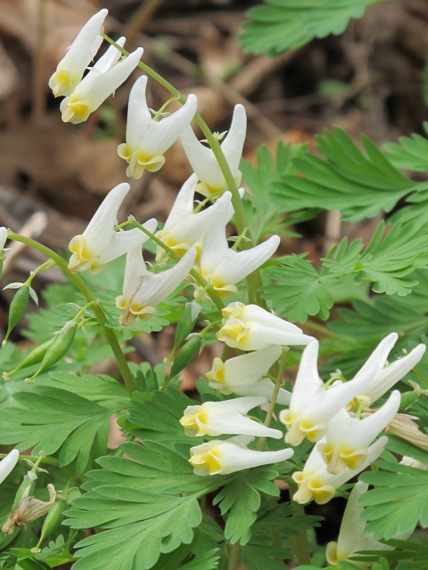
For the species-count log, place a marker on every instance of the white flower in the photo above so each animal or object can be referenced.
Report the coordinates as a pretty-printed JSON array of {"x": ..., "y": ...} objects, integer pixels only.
[
  {"x": 222, "y": 457},
  {"x": 147, "y": 139},
  {"x": 101, "y": 81},
  {"x": 223, "y": 268},
  {"x": 249, "y": 327},
  {"x": 99, "y": 243},
  {"x": 316, "y": 483},
  {"x": 183, "y": 228},
  {"x": 8, "y": 463},
  {"x": 227, "y": 417},
  {"x": 3, "y": 237},
  {"x": 243, "y": 375},
  {"x": 82, "y": 51},
  {"x": 352, "y": 536},
  {"x": 348, "y": 438},
  {"x": 386, "y": 376},
  {"x": 312, "y": 405},
  {"x": 205, "y": 164},
  {"x": 143, "y": 290}
]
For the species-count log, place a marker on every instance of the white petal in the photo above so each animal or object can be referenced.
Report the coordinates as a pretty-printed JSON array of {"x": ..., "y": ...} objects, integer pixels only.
[
  {"x": 249, "y": 368},
  {"x": 168, "y": 130},
  {"x": 138, "y": 112},
  {"x": 8, "y": 463},
  {"x": 235, "y": 266},
  {"x": 233, "y": 143},
  {"x": 184, "y": 201},
  {"x": 157, "y": 287}
]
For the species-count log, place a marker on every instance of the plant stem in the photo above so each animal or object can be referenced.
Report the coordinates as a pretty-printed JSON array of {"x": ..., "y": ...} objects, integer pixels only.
[
  {"x": 128, "y": 378},
  {"x": 233, "y": 557},
  {"x": 299, "y": 543}
]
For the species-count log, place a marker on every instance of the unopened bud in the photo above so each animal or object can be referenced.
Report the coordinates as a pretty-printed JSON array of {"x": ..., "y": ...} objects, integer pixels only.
[
  {"x": 52, "y": 521},
  {"x": 17, "y": 309},
  {"x": 33, "y": 357},
  {"x": 57, "y": 349},
  {"x": 186, "y": 322},
  {"x": 186, "y": 354}
]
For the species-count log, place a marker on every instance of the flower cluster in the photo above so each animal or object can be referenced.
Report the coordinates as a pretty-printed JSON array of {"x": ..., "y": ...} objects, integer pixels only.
[{"x": 192, "y": 246}]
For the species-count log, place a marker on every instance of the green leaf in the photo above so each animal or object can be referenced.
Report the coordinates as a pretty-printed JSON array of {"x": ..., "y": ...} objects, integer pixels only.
[
  {"x": 278, "y": 25},
  {"x": 262, "y": 215},
  {"x": 359, "y": 184},
  {"x": 398, "y": 503},
  {"x": 299, "y": 290},
  {"x": 411, "y": 153},
  {"x": 51, "y": 420},
  {"x": 139, "y": 505},
  {"x": 240, "y": 499},
  {"x": 389, "y": 260}
]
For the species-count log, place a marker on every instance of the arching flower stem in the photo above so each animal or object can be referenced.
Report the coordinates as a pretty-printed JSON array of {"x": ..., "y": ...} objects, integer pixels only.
[{"x": 128, "y": 378}]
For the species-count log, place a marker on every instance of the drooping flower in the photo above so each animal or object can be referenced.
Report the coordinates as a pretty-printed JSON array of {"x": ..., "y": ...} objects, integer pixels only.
[
  {"x": 352, "y": 535},
  {"x": 183, "y": 228},
  {"x": 226, "y": 418},
  {"x": 385, "y": 376},
  {"x": 249, "y": 327},
  {"x": 148, "y": 138},
  {"x": 143, "y": 290},
  {"x": 100, "y": 243},
  {"x": 71, "y": 68},
  {"x": 244, "y": 375},
  {"x": 222, "y": 457},
  {"x": 312, "y": 405},
  {"x": 223, "y": 268},
  {"x": 317, "y": 484},
  {"x": 8, "y": 463},
  {"x": 205, "y": 164},
  {"x": 348, "y": 438},
  {"x": 102, "y": 81}
]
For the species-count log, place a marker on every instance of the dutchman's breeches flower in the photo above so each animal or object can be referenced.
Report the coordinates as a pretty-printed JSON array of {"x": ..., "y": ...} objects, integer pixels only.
[
  {"x": 347, "y": 440},
  {"x": 223, "y": 268},
  {"x": 8, "y": 463},
  {"x": 352, "y": 536},
  {"x": 249, "y": 327},
  {"x": 143, "y": 290},
  {"x": 222, "y": 457},
  {"x": 312, "y": 405},
  {"x": 317, "y": 484},
  {"x": 227, "y": 417},
  {"x": 385, "y": 376},
  {"x": 183, "y": 228},
  {"x": 100, "y": 243},
  {"x": 102, "y": 81},
  {"x": 244, "y": 375},
  {"x": 82, "y": 51},
  {"x": 148, "y": 138},
  {"x": 205, "y": 164}
]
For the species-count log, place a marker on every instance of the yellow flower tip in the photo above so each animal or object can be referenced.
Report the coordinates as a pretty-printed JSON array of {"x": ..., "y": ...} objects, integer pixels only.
[
  {"x": 121, "y": 302},
  {"x": 195, "y": 424},
  {"x": 311, "y": 489},
  {"x": 75, "y": 110},
  {"x": 208, "y": 462},
  {"x": 62, "y": 83},
  {"x": 237, "y": 334},
  {"x": 217, "y": 373},
  {"x": 331, "y": 553},
  {"x": 125, "y": 152}
]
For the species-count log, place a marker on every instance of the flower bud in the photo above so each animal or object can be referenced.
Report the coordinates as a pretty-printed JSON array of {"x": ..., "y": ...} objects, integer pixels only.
[
  {"x": 33, "y": 357},
  {"x": 17, "y": 309},
  {"x": 187, "y": 353},
  {"x": 186, "y": 322},
  {"x": 51, "y": 523},
  {"x": 57, "y": 349}
]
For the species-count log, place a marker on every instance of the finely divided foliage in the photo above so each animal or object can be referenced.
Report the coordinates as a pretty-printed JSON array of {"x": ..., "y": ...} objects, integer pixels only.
[{"x": 218, "y": 480}]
